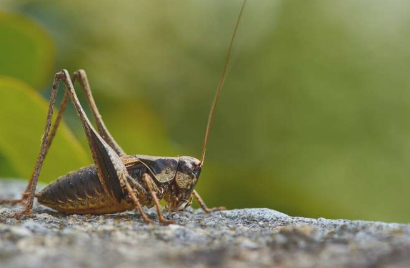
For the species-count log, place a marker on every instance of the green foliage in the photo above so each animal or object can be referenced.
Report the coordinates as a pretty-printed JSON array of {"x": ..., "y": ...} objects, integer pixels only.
[
  {"x": 22, "y": 125},
  {"x": 27, "y": 55},
  {"x": 26, "y": 50}
]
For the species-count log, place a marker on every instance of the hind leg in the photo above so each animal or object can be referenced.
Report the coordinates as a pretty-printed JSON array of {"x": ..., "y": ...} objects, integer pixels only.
[
  {"x": 102, "y": 129},
  {"x": 81, "y": 76}
]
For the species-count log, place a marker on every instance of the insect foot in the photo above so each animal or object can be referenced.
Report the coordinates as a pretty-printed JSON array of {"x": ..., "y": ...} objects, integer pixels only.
[{"x": 20, "y": 214}]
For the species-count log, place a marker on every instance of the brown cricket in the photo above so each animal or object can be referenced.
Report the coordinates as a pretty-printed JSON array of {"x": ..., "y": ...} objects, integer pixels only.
[{"x": 116, "y": 182}]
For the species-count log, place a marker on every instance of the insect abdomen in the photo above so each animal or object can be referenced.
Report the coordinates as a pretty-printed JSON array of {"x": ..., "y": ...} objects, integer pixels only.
[{"x": 80, "y": 192}]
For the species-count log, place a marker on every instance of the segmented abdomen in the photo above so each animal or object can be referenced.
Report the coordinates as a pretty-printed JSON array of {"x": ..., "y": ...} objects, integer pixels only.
[{"x": 80, "y": 192}]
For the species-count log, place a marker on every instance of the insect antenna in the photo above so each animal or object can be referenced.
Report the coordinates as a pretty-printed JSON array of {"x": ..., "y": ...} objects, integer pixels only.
[{"x": 220, "y": 85}]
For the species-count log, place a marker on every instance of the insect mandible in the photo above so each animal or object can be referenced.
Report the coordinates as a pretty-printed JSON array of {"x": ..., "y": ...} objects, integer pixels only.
[{"x": 116, "y": 182}]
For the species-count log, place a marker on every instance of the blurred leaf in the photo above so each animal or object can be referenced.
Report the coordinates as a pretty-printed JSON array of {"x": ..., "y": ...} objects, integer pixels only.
[
  {"x": 6, "y": 168},
  {"x": 23, "y": 114},
  {"x": 26, "y": 50}
]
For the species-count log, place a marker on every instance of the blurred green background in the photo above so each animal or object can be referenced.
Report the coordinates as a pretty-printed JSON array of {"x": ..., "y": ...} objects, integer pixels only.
[{"x": 314, "y": 119}]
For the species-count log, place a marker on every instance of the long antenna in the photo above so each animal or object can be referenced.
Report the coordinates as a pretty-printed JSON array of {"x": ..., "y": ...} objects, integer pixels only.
[{"x": 221, "y": 83}]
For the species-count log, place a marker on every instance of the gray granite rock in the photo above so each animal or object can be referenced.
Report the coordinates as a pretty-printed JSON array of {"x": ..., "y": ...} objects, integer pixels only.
[{"x": 233, "y": 238}]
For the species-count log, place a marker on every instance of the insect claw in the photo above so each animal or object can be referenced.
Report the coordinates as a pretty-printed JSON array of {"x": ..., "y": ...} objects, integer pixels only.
[
  {"x": 148, "y": 221},
  {"x": 209, "y": 210},
  {"x": 167, "y": 222},
  {"x": 18, "y": 215}
]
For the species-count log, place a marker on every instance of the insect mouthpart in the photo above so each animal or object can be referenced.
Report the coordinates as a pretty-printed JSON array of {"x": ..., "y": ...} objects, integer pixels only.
[{"x": 179, "y": 205}]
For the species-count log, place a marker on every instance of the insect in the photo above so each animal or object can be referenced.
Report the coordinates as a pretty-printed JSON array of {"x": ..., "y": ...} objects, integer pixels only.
[{"x": 116, "y": 182}]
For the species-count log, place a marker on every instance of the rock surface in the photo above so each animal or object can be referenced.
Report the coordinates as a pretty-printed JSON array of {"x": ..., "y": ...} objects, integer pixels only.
[{"x": 233, "y": 238}]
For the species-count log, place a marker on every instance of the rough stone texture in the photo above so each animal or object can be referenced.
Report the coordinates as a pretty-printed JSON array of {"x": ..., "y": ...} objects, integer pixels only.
[{"x": 234, "y": 238}]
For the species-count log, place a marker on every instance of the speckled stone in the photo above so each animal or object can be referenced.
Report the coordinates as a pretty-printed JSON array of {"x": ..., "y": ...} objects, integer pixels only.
[{"x": 233, "y": 238}]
